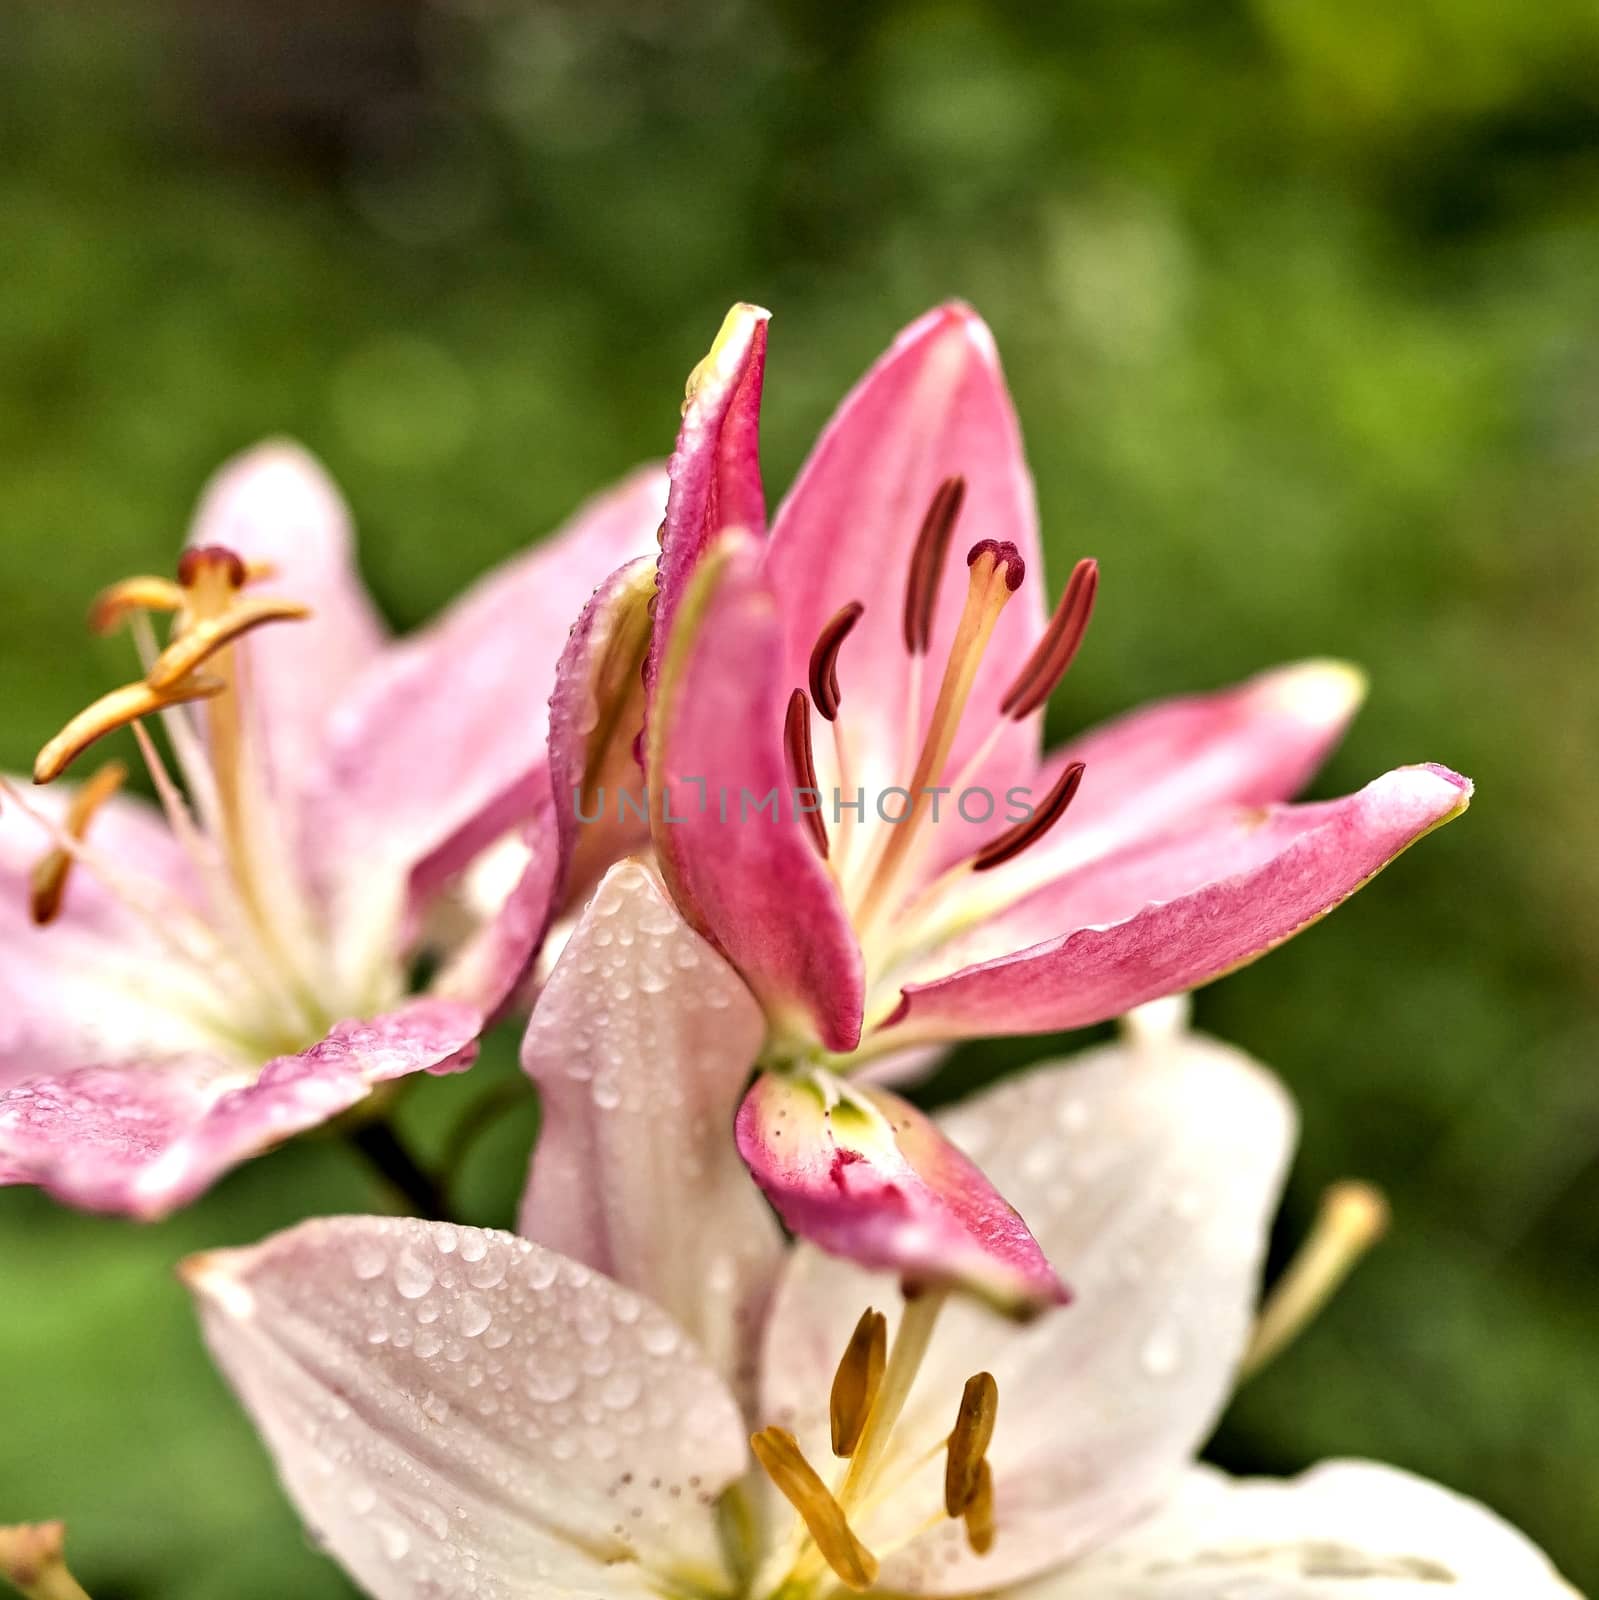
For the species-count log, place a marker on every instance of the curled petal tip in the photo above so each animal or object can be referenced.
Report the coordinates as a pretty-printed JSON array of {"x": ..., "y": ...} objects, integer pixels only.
[
  {"x": 208, "y": 1276},
  {"x": 1324, "y": 692}
]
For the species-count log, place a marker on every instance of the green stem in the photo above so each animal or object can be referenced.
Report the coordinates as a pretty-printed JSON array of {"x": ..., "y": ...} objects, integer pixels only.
[{"x": 383, "y": 1151}]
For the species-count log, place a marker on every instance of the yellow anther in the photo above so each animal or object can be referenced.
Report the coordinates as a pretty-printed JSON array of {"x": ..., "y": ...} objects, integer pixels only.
[
  {"x": 133, "y": 594},
  {"x": 968, "y": 1443},
  {"x": 855, "y": 1384},
  {"x": 198, "y": 643},
  {"x": 1353, "y": 1216},
  {"x": 110, "y": 712},
  {"x": 979, "y": 1513},
  {"x": 48, "y": 883},
  {"x": 784, "y": 1463}
]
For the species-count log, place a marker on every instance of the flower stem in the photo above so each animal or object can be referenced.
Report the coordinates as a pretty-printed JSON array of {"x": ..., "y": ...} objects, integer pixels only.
[{"x": 381, "y": 1147}]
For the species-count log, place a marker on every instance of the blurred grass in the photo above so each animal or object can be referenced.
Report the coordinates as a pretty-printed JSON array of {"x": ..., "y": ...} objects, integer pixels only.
[{"x": 1297, "y": 301}]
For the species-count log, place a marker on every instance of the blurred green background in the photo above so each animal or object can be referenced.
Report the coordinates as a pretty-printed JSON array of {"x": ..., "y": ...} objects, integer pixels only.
[{"x": 1298, "y": 302}]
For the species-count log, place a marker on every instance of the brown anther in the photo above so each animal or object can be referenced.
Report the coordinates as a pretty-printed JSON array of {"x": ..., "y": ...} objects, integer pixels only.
[
  {"x": 824, "y": 657},
  {"x": 927, "y": 563},
  {"x": 206, "y": 637},
  {"x": 203, "y": 560},
  {"x": 112, "y": 604},
  {"x": 968, "y": 1441},
  {"x": 802, "y": 764},
  {"x": 855, "y": 1384},
  {"x": 1030, "y": 830},
  {"x": 1056, "y": 650},
  {"x": 797, "y": 1480},
  {"x": 48, "y": 881},
  {"x": 112, "y": 711},
  {"x": 979, "y": 1513}
]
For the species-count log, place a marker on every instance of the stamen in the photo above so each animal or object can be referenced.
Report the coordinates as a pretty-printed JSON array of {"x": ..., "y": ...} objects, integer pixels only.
[
  {"x": 802, "y": 763},
  {"x": 133, "y": 594},
  {"x": 203, "y": 561},
  {"x": 1056, "y": 650},
  {"x": 824, "y": 657},
  {"x": 979, "y": 1513},
  {"x": 968, "y": 1443},
  {"x": 202, "y": 641},
  {"x": 112, "y": 711},
  {"x": 927, "y": 563},
  {"x": 855, "y": 1384},
  {"x": 781, "y": 1459},
  {"x": 1030, "y": 830},
  {"x": 1352, "y": 1218},
  {"x": 48, "y": 883}
]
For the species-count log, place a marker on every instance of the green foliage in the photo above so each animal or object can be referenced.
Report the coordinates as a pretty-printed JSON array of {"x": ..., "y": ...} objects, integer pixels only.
[{"x": 1297, "y": 300}]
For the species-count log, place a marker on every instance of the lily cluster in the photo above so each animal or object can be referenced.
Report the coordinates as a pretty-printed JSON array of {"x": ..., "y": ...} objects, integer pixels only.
[{"x": 986, "y": 1352}]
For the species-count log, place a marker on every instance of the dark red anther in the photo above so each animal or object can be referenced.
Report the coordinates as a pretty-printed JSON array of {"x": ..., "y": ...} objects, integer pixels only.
[
  {"x": 927, "y": 563},
  {"x": 1058, "y": 648},
  {"x": 802, "y": 765},
  {"x": 824, "y": 657},
  {"x": 198, "y": 557},
  {"x": 1031, "y": 829},
  {"x": 1005, "y": 555}
]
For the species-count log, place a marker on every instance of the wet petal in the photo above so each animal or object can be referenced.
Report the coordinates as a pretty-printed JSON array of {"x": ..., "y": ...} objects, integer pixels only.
[
  {"x": 739, "y": 861},
  {"x": 276, "y": 505},
  {"x": 1169, "y": 914},
  {"x": 1347, "y": 1530},
  {"x": 866, "y": 1176},
  {"x": 715, "y": 469},
  {"x": 439, "y": 749},
  {"x": 459, "y": 1411},
  {"x": 1149, "y": 1172},
  {"x": 1250, "y": 744},
  {"x": 641, "y": 1042},
  {"x": 934, "y": 406},
  {"x": 143, "y": 1137}
]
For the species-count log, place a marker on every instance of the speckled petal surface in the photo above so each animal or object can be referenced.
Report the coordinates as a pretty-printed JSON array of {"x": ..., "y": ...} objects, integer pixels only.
[{"x": 460, "y": 1413}]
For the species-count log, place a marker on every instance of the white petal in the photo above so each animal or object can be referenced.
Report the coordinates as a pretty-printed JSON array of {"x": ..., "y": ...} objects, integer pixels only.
[
  {"x": 457, "y": 1412},
  {"x": 1349, "y": 1530},
  {"x": 641, "y": 1044},
  {"x": 1148, "y": 1171}
]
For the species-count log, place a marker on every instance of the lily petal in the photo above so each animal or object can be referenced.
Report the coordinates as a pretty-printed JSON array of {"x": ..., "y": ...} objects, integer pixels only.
[
  {"x": 458, "y": 1411},
  {"x": 1346, "y": 1530},
  {"x": 277, "y": 505},
  {"x": 143, "y": 1137},
  {"x": 1149, "y": 1172},
  {"x": 748, "y": 878},
  {"x": 1169, "y": 914},
  {"x": 1250, "y": 744},
  {"x": 866, "y": 1176},
  {"x": 933, "y": 406},
  {"x": 439, "y": 749},
  {"x": 640, "y": 1045},
  {"x": 596, "y": 712},
  {"x": 716, "y": 467}
]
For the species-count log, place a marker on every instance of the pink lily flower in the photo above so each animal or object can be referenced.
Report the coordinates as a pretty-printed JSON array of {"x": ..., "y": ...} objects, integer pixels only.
[
  {"x": 184, "y": 986},
  {"x": 651, "y": 1394},
  {"x": 843, "y": 751}
]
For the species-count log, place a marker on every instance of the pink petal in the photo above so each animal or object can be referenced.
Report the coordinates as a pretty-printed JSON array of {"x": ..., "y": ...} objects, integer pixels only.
[
  {"x": 596, "y": 713},
  {"x": 935, "y": 405},
  {"x": 716, "y": 468},
  {"x": 640, "y": 1045},
  {"x": 750, "y": 880},
  {"x": 1249, "y": 744},
  {"x": 1149, "y": 1171},
  {"x": 456, "y": 1411},
  {"x": 864, "y": 1175},
  {"x": 1346, "y": 1530},
  {"x": 145, "y": 1137},
  {"x": 1172, "y": 913},
  {"x": 276, "y": 504},
  {"x": 439, "y": 749}
]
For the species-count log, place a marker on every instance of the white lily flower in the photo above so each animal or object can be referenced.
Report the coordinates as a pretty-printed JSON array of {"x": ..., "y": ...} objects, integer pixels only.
[{"x": 465, "y": 1414}]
